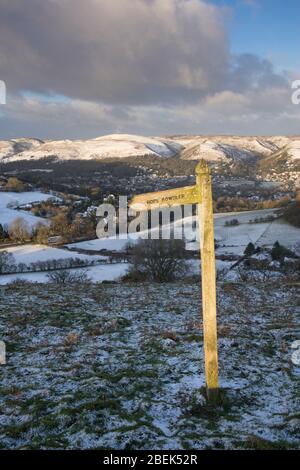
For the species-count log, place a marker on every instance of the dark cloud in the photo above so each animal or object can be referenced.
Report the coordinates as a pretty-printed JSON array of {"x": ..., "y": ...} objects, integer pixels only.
[
  {"x": 132, "y": 51},
  {"x": 249, "y": 72},
  {"x": 147, "y": 66}
]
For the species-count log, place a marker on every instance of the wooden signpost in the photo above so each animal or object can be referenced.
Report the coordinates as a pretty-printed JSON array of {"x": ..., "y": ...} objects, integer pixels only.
[{"x": 200, "y": 194}]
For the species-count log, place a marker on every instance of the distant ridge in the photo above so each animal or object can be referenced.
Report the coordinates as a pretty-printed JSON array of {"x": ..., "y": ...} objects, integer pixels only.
[{"x": 122, "y": 146}]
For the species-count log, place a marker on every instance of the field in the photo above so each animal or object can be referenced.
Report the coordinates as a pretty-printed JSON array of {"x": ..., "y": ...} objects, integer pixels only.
[
  {"x": 8, "y": 214},
  {"x": 230, "y": 239},
  {"x": 121, "y": 367},
  {"x": 31, "y": 253},
  {"x": 110, "y": 272}
]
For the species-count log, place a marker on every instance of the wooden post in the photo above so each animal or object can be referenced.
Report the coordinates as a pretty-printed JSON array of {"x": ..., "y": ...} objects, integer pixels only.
[
  {"x": 208, "y": 270},
  {"x": 200, "y": 194}
]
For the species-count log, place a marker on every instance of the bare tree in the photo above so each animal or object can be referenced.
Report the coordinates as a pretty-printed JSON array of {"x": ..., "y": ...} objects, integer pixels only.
[
  {"x": 14, "y": 184},
  {"x": 243, "y": 274},
  {"x": 222, "y": 273},
  {"x": 60, "y": 226},
  {"x": 67, "y": 277},
  {"x": 42, "y": 233},
  {"x": 259, "y": 273},
  {"x": 19, "y": 230},
  {"x": 158, "y": 260},
  {"x": 7, "y": 262}
]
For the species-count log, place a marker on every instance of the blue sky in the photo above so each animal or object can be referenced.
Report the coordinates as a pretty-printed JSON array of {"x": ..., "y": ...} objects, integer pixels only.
[{"x": 268, "y": 28}]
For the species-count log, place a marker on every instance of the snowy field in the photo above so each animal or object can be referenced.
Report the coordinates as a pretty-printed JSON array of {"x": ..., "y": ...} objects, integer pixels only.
[
  {"x": 121, "y": 367},
  {"x": 99, "y": 273},
  {"x": 109, "y": 272},
  {"x": 31, "y": 253},
  {"x": 7, "y": 215},
  {"x": 231, "y": 240}
]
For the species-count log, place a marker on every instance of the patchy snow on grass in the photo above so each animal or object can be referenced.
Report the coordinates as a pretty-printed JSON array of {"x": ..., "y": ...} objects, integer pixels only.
[{"x": 121, "y": 367}]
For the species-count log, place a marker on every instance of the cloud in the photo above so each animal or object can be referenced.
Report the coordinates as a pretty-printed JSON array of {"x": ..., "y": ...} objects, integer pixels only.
[
  {"x": 264, "y": 112},
  {"x": 130, "y": 51},
  {"x": 140, "y": 66}
]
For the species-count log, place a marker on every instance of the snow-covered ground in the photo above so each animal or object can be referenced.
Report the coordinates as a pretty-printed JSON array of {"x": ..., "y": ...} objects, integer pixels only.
[
  {"x": 103, "y": 272},
  {"x": 236, "y": 147},
  {"x": 110, "y": 146},
  {"x": 293, "y": 150},
  {"x": 217, "y": 152},
  {"x": 99, "y": 273},
  {"x": 109, "y": 244},
  {"x": 28, "y": 254},
  {"x": 231, "y": 239},
  {"x": 121, "y": 367},
  {"x": 9, "y": 214},
  {"x": 212, "y": 148},
  {"x": 28, "y": 197},
  {"x": 31, "y": 253}
]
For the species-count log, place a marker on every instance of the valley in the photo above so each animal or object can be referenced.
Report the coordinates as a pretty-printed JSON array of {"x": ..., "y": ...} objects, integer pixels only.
[
  {"x": 53, "y": 189},
  {"x": 254, "y": 168}
]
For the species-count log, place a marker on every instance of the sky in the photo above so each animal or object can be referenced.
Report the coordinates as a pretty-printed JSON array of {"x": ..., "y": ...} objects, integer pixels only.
[
  {"x": 85, "y": 68},
  {"x": 267, "y": 28}
]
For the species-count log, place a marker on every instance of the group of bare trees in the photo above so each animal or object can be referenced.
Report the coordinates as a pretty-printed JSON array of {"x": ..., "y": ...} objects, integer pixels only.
[
  {"x": 64, "y": 277},
  {"x": 17, "y": 231},
  {"x": 56, "y": 264},
  {"x": 8, "y": 264},
  {"x": 69, "y": 230},
  {"x": 14, "y": 184}
]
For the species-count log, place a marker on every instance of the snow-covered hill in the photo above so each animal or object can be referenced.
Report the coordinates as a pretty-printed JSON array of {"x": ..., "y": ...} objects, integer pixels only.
[
  {"x": 215, "y": 152},
  {"x": 283, "y": 165},
  {"x": 211, "y": 148},
  {"x": 292, "y": 150},
  {"x": 111, "y": 146},
  {"x": 225, "y": 148}
]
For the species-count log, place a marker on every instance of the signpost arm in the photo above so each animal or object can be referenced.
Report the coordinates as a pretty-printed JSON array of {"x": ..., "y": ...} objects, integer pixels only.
[{"x": 208, "y": 270}]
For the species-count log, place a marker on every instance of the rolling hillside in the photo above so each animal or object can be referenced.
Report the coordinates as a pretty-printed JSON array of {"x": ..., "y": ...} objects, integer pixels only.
[
  {"x": 111, "y": 146},
  {"x": 212, "y": 148},
  {"x": 289, "y": 153},
  {"x": 271, "y": 158},
  {"x": 283, "y": 165}
]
